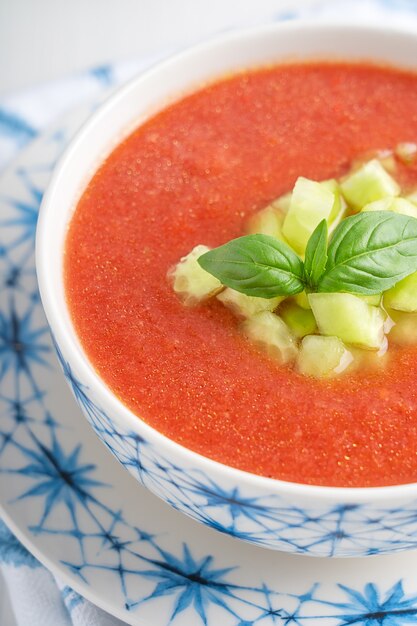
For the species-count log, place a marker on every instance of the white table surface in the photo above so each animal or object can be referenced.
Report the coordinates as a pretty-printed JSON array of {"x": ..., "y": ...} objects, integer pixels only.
[{"x": 45, "y": 39}]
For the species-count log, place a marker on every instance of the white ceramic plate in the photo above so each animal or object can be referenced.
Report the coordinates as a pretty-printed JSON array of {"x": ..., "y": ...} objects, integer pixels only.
[{"x": 85, "y": 518}]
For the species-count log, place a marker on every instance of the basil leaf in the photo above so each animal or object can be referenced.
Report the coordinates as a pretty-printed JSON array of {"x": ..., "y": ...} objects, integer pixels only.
[
  {"x": 256, "y": 265},
  {"x": 370, "y": 252},
  {"x": 316, "y": 255}
]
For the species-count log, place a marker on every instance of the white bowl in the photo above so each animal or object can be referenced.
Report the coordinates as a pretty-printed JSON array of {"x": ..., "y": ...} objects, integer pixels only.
[{"x": 273, "y": 513}]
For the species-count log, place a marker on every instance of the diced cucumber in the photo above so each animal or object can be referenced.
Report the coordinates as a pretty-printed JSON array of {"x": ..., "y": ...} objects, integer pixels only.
[
  {"x": 384, "y": 204},
  {"x": 332, "y": 185},
  {"x": 323, "y": 356},
  {"x": 404, "y": 329},
  {"x": 267, "y": 222},
  {"x": 300, "y": 321},
  {"x": 403, "y": 296},
  {"x": 406, "y": 151},
  {"x": 272, "y": 334},
  {"x": 339, "y": 206},
  {"x": 405, "y": 207},
  {"x": 282, "y": 203},
  {"x": 247, "y": 306},
  {"x": 370, "y": 182},
  {"x": 348, "y": 317},
  {"x": 373, "y": 300},
  {"x": 396, "y": 205},
  {"x": 302, "y": 300},
  {"x": 369, "y": 359},
  {"x": 190, "y": 282},
  {"x": 385, "y": 157},
  {"x": 311, "y": 202},
  {"x": 389, "y": 323}
]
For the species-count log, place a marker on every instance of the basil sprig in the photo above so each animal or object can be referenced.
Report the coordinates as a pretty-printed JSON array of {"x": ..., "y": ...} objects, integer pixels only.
[{"x": 367, "y": 254}]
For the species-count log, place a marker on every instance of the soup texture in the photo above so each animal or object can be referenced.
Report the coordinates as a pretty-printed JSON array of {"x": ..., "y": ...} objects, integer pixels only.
[{"x": 194, "y": 174}]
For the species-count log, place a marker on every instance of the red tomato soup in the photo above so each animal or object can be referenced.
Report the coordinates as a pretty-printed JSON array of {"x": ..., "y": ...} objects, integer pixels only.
[{"x": 192, "y": 175}]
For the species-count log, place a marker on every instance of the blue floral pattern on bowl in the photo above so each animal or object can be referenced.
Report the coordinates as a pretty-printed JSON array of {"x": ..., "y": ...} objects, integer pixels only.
[
  {"x": 301, "y": 519},
  {"x": 341, "y": 530}
]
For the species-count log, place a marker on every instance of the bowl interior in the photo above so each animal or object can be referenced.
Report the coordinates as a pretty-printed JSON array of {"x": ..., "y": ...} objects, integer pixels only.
[{"x": 139, "y": 100}]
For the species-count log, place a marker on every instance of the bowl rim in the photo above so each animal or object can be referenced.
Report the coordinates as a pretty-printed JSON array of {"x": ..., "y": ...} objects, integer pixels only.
[{"x": 70, "y": 343}]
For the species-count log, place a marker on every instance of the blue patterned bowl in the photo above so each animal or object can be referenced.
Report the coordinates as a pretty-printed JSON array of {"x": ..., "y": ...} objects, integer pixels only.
[{"x": 275, "y": 514}]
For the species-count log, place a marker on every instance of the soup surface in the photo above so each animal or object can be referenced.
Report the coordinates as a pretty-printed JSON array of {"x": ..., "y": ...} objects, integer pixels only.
[{"x": 194, "y": 174}]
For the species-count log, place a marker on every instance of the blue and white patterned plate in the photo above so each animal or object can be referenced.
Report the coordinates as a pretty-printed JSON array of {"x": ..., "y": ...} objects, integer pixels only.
[{"x": 84, "y": 517}]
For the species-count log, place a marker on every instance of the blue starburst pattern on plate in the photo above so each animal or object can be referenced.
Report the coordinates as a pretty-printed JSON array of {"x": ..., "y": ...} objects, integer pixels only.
[{"x": 66, "y": 499}]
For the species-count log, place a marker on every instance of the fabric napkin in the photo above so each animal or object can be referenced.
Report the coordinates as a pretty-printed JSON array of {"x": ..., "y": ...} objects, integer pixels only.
[{"x": 38, "y": 597}]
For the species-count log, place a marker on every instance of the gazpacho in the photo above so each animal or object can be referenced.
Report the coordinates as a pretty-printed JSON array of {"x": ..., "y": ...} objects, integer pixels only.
[{"x": 241, "y": 272}]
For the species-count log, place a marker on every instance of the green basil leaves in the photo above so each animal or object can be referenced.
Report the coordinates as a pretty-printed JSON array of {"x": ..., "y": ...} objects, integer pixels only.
[
  {"x": 371, "y": 252},
  {"x": 257, "y": 265},
  {"x": 368, "y": 253},
  {"x": 316, "y": 256}
]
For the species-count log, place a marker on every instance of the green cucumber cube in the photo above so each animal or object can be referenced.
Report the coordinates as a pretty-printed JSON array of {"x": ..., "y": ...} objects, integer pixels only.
[
  {"x": 311, "y": 202},
  {"x": 385, "y": 157},
  {"x": 267, "y": 222},
  {"x": 384, "y": 204},
  {"x": 403, "y": 296},
  {"x": 191, "y": 283},
  {"x": 300, "y": 321},
  {"x": 404, "y": 329},
  {"x": 323, "y": 356},
  {"x": 247, "y": 306},
  {"x": 374, "y": 300},
  {"x": 282, "y": 203},
  {"x": 396, "y": 205},
  {"x": 404, "y": 206},
  {"x": 339, "y": 206},
  {"x": 302, "y": 300},
  {"x": 272, "y": 334},
  {"x": 369, "y": 183},
  {"x": 348, "y": 317}
]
